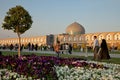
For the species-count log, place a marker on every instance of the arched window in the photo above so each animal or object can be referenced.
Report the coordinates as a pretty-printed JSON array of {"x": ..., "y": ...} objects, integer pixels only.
[
  {"x": 80, "y": 38},
  {"x": 28, "y": 40},
  {"x": 87, "y": 38},
  {"x": 23, "y": 40},
  {"x": 34, "y": 39},
  {"x": 6, "y": 41},
  {"x": 108, "y": 37},
  {"x": 44, "y": 39},
  {"x": 70, "y": 38},
  {"x": 75, "y": 39},
  {"x": 38, "y": 39},
  {"x": 117, "y": 36},
  {"x": 41, "y": 40},
  {"x": 64, "y": 39},
  {"x": 101, "y": 37},
  {"x": 92, "y": 38}
]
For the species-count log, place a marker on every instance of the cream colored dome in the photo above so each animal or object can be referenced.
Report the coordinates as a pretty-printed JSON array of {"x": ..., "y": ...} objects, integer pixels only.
[{"x": 75, "y": 28}]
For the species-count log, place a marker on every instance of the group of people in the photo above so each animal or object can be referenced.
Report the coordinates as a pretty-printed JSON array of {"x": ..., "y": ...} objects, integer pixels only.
[
  {"x": 31, "y": 47},
  {"x": 58, "y": 50},
  {"x": 100, "y": 51}
]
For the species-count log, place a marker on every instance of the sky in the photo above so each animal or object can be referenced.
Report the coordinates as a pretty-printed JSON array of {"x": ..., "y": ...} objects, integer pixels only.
[{"x": 53, "y": 16}]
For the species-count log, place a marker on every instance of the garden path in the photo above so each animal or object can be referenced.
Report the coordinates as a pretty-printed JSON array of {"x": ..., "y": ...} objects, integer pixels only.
[{"x": 86, "y": 54}]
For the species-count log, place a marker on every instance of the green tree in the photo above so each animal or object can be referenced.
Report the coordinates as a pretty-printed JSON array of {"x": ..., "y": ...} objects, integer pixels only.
[{"x": 18, "y": 20}]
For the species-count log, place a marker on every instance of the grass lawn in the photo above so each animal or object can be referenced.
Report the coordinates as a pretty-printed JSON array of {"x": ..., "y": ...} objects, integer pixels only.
[{"x": 112, "y": 60}]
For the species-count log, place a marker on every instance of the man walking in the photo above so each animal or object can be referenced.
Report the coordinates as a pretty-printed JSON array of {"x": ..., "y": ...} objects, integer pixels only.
[
  {"x": 57, "y": 49},
  {"x": 95, "y": 47}
]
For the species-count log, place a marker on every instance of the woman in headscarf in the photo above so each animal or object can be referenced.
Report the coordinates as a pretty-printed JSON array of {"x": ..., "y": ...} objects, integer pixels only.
[{"x": 103, "y": 52}]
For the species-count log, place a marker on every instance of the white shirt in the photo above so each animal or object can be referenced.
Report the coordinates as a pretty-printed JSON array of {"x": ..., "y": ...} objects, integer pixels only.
[{"x": 96, "y": 43}]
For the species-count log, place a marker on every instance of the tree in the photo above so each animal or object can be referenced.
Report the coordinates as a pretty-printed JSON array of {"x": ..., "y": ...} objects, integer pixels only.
[{"x": 18, "y": 20}]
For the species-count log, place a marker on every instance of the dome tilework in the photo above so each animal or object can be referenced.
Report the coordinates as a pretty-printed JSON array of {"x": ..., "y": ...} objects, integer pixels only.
[{"x": 75, "y": 28}]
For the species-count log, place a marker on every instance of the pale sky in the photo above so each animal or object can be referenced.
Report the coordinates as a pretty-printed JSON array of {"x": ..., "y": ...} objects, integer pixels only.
[{"x": 53, "y": 16}]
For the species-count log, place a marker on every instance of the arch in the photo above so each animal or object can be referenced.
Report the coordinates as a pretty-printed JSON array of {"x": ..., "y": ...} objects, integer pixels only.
[
  {"x": 109, "y": 37},
  {"x": 38, "y": 39},
  {"x": 35, "y": 40},
  {"x": 87, "y": 38},
  {"x": 93, "y": 37},
  {"x": 80, "y": 38},
  {"x": 117, "y": 36},
  {"x": 69, "y": 38},
  {"x": 64, "y": 39},
  {"x": 23, "y": 40},
  {"x": 75, "y": 39},
  {"x": 41, "y": 40},
  {"x": 101, "y": 36}
]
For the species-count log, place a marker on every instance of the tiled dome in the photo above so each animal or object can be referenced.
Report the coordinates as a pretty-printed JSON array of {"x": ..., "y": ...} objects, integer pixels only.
[{"x": 75, "y": 28}]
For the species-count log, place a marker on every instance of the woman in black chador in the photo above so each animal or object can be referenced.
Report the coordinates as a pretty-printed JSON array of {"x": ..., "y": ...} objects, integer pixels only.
[{"x": 104, "y": 53}]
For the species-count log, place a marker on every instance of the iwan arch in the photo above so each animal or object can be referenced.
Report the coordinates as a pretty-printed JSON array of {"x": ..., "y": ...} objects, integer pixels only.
[{"x": 75, "y": 34}]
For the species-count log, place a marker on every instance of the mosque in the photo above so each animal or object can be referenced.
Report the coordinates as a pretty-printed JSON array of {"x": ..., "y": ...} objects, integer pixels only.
[{"x": 74, "y": 34}]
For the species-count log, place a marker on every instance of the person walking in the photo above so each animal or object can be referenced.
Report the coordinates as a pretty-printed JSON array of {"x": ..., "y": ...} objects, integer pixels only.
[
  {"x": 70, "y": 49},
  {"x": 36, "y": 47},
  {"x": 103, "y": 51},
  {"x": 57, "y": 48},
  {"x": 29, "y": 46},
  {"x": 95, "y": 47}
]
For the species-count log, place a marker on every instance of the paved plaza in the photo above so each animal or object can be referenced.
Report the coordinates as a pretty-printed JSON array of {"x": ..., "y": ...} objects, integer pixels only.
[{"x": 86, "y": 54}]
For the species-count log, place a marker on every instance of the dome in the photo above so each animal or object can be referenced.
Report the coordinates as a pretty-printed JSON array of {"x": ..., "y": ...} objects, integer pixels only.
[{"x": 75, "y": 28}]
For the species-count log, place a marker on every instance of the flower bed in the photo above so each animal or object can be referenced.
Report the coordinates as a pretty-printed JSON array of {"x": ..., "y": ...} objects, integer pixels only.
[
  {"x": 110, "y": 72},
  {"x": 31, "y": 67}
]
